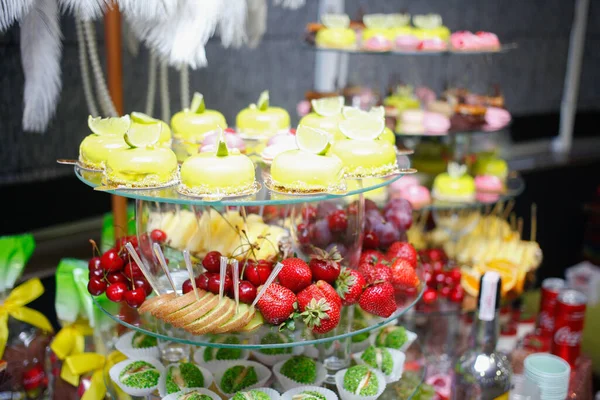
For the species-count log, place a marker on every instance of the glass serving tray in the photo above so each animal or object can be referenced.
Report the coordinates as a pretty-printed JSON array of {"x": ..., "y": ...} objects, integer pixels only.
[{"x": 505, "y": 48}]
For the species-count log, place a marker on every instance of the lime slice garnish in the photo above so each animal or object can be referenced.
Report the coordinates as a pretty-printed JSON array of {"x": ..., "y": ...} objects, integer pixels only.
[
  {"x": 312, "y": 140},
  {"x": 378, "y": 112},
  {"x": 365, "y": 127},
  {"x": 398, "y": 20},
  {"x": 222, "y": 150},
  {"x": 109, "y": 126},
  {"x": 263, "y": 101},
  {"x": 142, "y": 118},
  {"x": 328, "y": 106},
  {"x": 351, "y": 112},
  {"x": 143, "y": 135},
  {"x": 376, "y": 21},
  {"x": 428, "y": 21},
  {"x": 335, "y": 21},
  {"x": 197, "y": 106}
]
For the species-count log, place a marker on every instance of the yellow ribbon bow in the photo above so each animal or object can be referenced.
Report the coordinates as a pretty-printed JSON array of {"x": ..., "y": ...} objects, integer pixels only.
[
  {"x": 14, "y": 305},
  {"x": 84, "y": 363},
  {"x": 70, "y": 341}
]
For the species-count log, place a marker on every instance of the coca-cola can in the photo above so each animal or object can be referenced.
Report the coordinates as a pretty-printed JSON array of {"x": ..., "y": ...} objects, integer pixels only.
[
  {"x": 569, "y": 316},
  {"x": 551, "y": 287}
]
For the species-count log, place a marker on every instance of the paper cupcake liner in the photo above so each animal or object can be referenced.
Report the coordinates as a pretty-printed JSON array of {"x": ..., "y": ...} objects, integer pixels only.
[
  {"x": 329, "y": 394},
  {"x": 273, "y": 394},
  {"x": 288, "y": 383},
  {"x": 162, "y": 383},
  {"x": 116, "y": 370},
  {"x": 346, "y": 395},
  {"x": 270, "y": 360},
  {"x": 398, "y": 358},
  {"x": 199, "y": 358},
  {"x": 410, "y": 339},
  {"x": 263, "y": 373},
  {"x": 124, "y": 346},
  {"x": 207, "y": 392}
]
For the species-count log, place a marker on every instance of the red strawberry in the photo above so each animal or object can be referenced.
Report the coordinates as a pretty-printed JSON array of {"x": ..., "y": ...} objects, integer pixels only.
[
  {"x": 403, "y": 250},
  {"x": 378, "y": 300},
  {"x": 295, "y": 274},
  {"x": 277, "y": 304},
  {"x": 403, "y": 274},
  {"x": 349, "y": 285},
  {"x": 376, "y": 273},
  {"x": 318, "y": 312},
  {"x": 329, "y": 293},
  {"x": 325, "y": 265},
  {"x": 370, "y": 257}
]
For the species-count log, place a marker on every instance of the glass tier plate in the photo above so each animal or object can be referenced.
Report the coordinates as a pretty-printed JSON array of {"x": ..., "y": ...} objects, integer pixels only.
[
  {"x": 505, "y": 48},
  {"x": 251, "y": 340},
  {"x": 263, "y": 197},
  {"x": 452, "y": 132}
]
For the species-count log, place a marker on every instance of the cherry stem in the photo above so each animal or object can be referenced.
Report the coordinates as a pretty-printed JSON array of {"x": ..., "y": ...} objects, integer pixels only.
[
  {"x": 163, "y": 263},
  {"x": 268, "y": 283},
  {"x": 222, "y": 275},
  {"x": 94, "y": 247},
  {"x": 142, "y": 266},
  {"x": 190, "y": 269}
]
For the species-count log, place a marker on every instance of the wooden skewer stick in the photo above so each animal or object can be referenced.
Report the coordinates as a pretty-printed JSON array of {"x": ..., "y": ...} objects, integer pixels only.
[
  {"x": 513, "y": 222},
  {"x": 508, "y": 209},
  {"x": 236, "y": 283},
  {"x": 142, "y": 266},
  {"x": 270, "y": 280},
  {"x": 163, "y": 263},
  {"x": 190, "y": 270},
  {"x": 533, "y": 233},
  {"x": 222, "y": 275},
  {"x": 520, "y": 226}
]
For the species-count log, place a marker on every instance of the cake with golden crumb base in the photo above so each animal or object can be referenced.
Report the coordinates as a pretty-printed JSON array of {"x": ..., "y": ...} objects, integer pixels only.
[
  {"x": 95, "y": 149},
  {"x": 304, "y": 172},
  {"x": 141, "y": 168},
  {"x": 368, "y": 158}
]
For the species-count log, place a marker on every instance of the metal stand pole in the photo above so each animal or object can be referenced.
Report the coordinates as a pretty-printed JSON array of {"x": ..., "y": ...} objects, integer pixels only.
[
  {"x": 563, "y": 142},
  {"x": 330, "y": 67}
]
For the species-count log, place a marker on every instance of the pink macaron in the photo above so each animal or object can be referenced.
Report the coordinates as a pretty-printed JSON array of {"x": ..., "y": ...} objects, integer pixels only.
[
  {"x": 488, "y": 188},
  {"x": 407, "y": 43},
  {"x": 496, "y": 118},
  {"x": 378, "y": 43},
  {"x": 436, "y": 123},
  {"x": 417, "y": 195},
  {"x": 233, "y": 140}
]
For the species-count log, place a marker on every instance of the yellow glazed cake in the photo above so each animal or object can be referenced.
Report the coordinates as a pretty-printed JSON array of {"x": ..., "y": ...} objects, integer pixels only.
[
  {"x": 337, "y": 33},
  {"x": 326, "y": 116},
  {"x": 165, "y": 132},
  {"x": 261, "y": 121},
  {"x": 454, "y": 185},
  {"x": 143, "y": 164},
  {"x": 378, "y": 34},
  {"x": 220, "y": 173},
  {"x": 430, "y": 26},
  {"x": 107, "y": 137}
]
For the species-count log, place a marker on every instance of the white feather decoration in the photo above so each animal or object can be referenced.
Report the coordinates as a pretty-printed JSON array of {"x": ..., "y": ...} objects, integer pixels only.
[
  {"x": 232, "y": 27},
  {"x": 41, "y": 52},
  {"x": 148, "y": 10},
  {"x": 292, "y": 4},
  {"x": 85, "y": 9},
  {"x": 256, "y": 21},
  {"x": 12, "y": 11}
]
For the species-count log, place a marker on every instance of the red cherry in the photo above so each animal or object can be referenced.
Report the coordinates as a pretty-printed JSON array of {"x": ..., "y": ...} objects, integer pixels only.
[
  {"x": 187, "y": 286},
  {"x": 455, "y": 275},
  {"x": 457, "y": 295},
  {"x": 445, "y": 291},
  {"x": 135, "y": 297},
  {"x": 303, "y": 234},
  {"x": 158, "y": 236},
  {"x": 337, "y": 221},
  {"x": 448, "y": 281},
  {"x": 116, "y": 292},
  {"x": 94, "y": 264},
  {"x": 142, "y": 283},
  {"x": 309, "y": 213},
  {"x": 371, "y": 240},
  {"x": 352, "y": 208},
  {"x": 427, "y": 266},
  {"x": 96, "y": 286},
  {"x": 111, "y": 261},
  {"x": 247, "y": 292},
  {"x": 114, "y": 277},
  {"x": 437, "y": 266},
  {"x": 202, "y": 280},
  {"x": 437, "y": 255},
  {"x": 428, "y": 277},
  {"x": 97, "y": 273},
  {"x": 212, "y": 261},
  {"x": 214, "y": 282},
  {"x": 258, "y": 273},
  {"x": 132, "y": 270},
  {"x": 430, "y": 296},
  {"x": 439, "y": 278}
]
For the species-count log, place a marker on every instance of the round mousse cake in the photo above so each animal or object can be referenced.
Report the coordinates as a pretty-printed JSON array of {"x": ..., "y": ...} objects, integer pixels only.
[
  {"x": 328, "y": 124},
  {"x": 95, "y": 149},
  {"x": 454, "y": 185},
  {"x": 141, "y": 167},
  {"x": 193, "y": 126},
  {"x": 366, "y": 158},
  {"x": 254, "y": 123},
  {"x": 338, "y": 38},
  {"x": 301, "y": 171},
  {"x": 208, "y": 173}
]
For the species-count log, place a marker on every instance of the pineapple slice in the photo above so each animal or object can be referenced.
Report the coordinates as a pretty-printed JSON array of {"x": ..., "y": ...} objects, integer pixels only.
[
  {"x": 184, "y": 229},
  {"x": 198, "y": 241}
]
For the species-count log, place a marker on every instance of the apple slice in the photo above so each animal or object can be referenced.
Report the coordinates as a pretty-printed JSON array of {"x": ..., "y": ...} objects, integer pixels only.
[
  {"x": 223, "y": 312},
  {"x": 156, "y": 302},
  {"x": 190, "y": 315},
  {"x": 256, "y": 322},
  {"x": 210, "y": 316},
  {"x": 205, "y": 297},
  {"x": 175, "y": 305},
  {"x": 239, "y": 320}
]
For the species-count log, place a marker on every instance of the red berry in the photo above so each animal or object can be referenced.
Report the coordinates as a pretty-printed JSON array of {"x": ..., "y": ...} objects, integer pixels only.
[
  {"x": 455, "y": 275},
  {"x": 352, "y": 208},
  {"x": 158, "y": 236},
  {"x": 114, "y": 277},
  {"x": 214, "y": 282},
  {"x": 437, "y": 255},
  {"x": 94, "y": 264},
  {"x": 96, "y": 286},
  {"x": 403, "y": 250},
  {"x": 439, "y": 278},
  {"x": 303, "y": 234},
  {"x": 247, "y": 292},
  {"x": 132, "y": 270},
  {"x": 212, "y": 261},
  {"x": 142, "y": 283},
  {"x": 187, "y": 286},
  {"x": 337, "y": 221},
  {"x": 135, "y": 297},
  {"x": 202, "y": 280},
  {"x": 428, "y": 277},
  {"x": 430, "y": 296},
  {"x": 457, "y": 295},
  {"x": 309, "y": 213},
  {"x": 325, "y": 266},
  {"x": 371, "y": 240},
  {"x": 437, "y": 266},
  {"x": 116, "y": 292},
  {"x": 295, "y": 274},
  {"x": 111, "y": 261},
  {"x": 97, "y": 273},
  {"x": 258, "y": 273},
  {"x": 445, "y": 291}
]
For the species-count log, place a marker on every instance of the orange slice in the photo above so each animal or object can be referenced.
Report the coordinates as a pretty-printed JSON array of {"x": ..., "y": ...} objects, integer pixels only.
[
  {"x": 469, "y": 280},
  {"x": 508, "y": 271}
]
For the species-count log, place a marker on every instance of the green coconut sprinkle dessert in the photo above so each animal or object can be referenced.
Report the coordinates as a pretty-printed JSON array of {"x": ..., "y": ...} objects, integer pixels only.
[
  {"x": 380, "y": 358},
  {"x": 309, "y": 395},
  {"x": 393, "y": 337},
  {"x": 184, "y": 375},
  {"x": 238, "y": 378},
  {"x": 141, "y": 341},
  {"x": 251, "y": 395},
  {"x": 361, "y": 337},
  {"x": 275, "y": 338},
  {"x": 195, "y": 395},
  {"x": 211, "y": 353},
  {"x": 140, "y": 375},
  {"x": 300, "y": 369},
  {"x": 361, "y": 380}
]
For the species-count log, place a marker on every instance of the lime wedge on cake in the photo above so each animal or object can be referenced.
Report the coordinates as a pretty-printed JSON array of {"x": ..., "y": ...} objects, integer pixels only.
[
  {"x": 328, "y": 106},
  {"x": 361, "y": 127},
  {"x": 197, "y": 106},
  {"x": 143, "y": 135},
  {"x": 351, "y": 112},
  {"x": 376, "y": 21},
  {"x": 263, "y": 101},
  {"x": 109, "y": 126},
  {"x": 141, "y": 118},
  {"x": 312, "y": 140},
  {"x": 335, "y": 21}
]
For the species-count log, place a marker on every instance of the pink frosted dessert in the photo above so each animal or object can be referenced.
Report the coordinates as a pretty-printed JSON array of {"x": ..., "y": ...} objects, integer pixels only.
[
  {"x": 378, "y": 43},
  {"x": 417, "y": 195},
  {"x": 434, "y": 44},
  {"x": 442, "y": 385},
  {"x": 488, "y": 188},
  {"x": 469, "y": 41},
  {"x": 425, "y": 95},
  {"x": 278, "y": 144},
  {"x": 403, "y": 183},
  {"x": 488, "y": 41},
  {"x": 233, "y": 140},
  {"x": 407, "y": 43},
  {"x": 496, "y": 118},
  {"x": 436, "y": 123}
]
